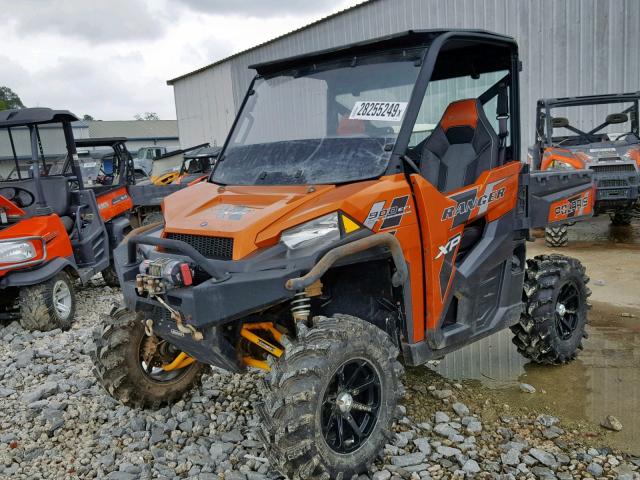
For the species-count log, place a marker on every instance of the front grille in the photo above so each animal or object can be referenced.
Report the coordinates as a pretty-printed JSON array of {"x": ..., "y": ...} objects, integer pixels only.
[
  {"x": 607, "y": 183},
  {"x": 609, "y": 159},
  {"x": 220, "y": 248},
  {"x": 602, "y": 194},
  {"x": 622, "y": 168}
]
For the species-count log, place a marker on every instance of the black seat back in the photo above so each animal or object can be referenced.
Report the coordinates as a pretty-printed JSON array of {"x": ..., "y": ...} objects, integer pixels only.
[
  {"x": 55, "y": 189},
  {"x": 462, "y": 146}
]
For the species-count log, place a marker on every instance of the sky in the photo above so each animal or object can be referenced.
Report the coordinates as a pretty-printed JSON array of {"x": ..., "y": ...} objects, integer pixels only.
[{"x": 111, "y": 58}]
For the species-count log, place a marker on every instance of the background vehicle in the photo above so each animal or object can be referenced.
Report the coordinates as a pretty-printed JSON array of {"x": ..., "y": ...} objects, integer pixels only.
[
  {"x": 610, "y": 149},
  {"x": 169, "y": 167},
  {"x": 197, "y": 165},
  {"x": 107, "y": 162},
  {"x": 327, "y": 241},
  {"x": 62, "y": 216},
  {"x": 145, "y": 157},
  {"x": 53, "y": 227}
]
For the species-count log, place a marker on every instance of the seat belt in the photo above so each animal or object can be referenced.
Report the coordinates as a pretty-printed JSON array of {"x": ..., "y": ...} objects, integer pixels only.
[{"x": 502, "y": 115}]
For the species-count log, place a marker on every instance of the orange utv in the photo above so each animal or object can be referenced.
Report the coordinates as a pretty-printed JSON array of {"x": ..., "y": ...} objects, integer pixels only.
[
  {"x": 368, "y": 210},
  {"x": 610, "y": 149},
  {"x": 61, "y": 213}
]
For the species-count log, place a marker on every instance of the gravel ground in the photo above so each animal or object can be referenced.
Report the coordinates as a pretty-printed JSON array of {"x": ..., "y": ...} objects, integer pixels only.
[{"x": 57, "y": 422}]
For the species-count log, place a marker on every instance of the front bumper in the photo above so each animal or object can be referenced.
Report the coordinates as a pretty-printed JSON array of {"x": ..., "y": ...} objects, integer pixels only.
[
  {"x": 235, "y": 290},
  {"x": 617, "y": 183},
  {"x": 22, "y": 277}
]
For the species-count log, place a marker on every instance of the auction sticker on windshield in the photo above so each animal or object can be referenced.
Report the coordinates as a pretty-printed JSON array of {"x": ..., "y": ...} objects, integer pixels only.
[{"x": 381, "y": 111}]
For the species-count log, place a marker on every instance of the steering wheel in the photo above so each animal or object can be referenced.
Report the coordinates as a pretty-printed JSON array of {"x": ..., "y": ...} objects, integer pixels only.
[
  {"x": 21, "y": 197},
  {"x": 622, "y": 135}
]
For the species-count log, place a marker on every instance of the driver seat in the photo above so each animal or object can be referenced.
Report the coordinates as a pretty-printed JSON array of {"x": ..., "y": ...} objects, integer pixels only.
[{"x": 462, "y": 146}]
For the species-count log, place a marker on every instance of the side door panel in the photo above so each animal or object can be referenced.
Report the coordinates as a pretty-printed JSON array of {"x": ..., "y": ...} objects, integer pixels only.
[
  {"x": 113, "y": 203},
  {"x": 444, "y": 218}
]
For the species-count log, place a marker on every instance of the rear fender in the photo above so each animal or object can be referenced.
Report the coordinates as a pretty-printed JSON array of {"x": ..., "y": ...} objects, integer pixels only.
[{"x": 556, "y": 197}]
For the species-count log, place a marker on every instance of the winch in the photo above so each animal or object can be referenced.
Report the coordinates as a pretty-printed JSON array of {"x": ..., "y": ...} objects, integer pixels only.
[{"x": 162, "y": 274}]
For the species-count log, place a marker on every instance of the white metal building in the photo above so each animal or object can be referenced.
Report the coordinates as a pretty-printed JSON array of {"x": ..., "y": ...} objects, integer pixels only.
[{"x": 568, "y": 48}]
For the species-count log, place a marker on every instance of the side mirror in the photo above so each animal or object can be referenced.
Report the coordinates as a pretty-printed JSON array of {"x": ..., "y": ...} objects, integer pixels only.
[
  {"x": 559, "y": 122},
  {"x": 617, "y": 118}
]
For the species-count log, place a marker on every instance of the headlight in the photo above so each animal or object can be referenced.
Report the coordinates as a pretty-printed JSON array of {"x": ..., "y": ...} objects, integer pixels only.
[
  {"x": 562, "y": 165},
  {"x": 321, "y": 230},
  {"x": 16, "y": 252}
]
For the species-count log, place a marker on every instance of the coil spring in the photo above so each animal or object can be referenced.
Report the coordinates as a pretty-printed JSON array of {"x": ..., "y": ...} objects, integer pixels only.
[{"x": 301, "y": 306}]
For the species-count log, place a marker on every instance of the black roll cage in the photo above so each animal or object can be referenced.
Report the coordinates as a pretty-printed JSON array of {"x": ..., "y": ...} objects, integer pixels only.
[
  {"x": 37, "y": 155},
  {"x": 544, "y": 127},
  {"x": 434, "y": 42},
  {"x": 126, "y": 174}
]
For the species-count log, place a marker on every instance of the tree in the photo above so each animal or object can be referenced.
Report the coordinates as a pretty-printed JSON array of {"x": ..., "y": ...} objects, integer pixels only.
[
  {"x": 88, "y": 117},
  {"x": 9, "y": 99},
  {"x": 147, "y": 116}
]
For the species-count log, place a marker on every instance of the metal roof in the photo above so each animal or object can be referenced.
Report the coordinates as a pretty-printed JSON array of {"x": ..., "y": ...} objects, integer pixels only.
[
  {"x": 204, "y": 152},
  {"x": 26, "y": 116},
  {"x": 165, "y": 129},
  {"x": 99, "y": 142},
  {"x": 590, "y": 99},
  {"x": 256, "y": 47},
  {"x": 401, "y": 40}
]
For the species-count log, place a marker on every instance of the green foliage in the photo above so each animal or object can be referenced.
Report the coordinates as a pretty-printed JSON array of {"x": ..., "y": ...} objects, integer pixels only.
[
  {"x": 147, "y": 116},
  {"x": 86, "y": 116},
  {"x": 9, "y": 99}
]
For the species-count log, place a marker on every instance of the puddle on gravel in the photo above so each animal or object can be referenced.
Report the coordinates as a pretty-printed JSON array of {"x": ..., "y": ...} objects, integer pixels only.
[
  {"x": 604, "y": 380},
  {"x": 599, "y": 230}
]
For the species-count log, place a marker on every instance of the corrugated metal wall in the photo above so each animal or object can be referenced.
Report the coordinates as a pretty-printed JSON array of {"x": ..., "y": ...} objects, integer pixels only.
[{"x": 568, "y": 47}]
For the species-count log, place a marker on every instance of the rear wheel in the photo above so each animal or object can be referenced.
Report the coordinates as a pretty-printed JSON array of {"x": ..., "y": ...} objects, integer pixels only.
[
  {"x": 131, "y": 365},
  {"x": 110, "y": 276},
  {"x": 554, "y": 323},
  {"x": 556, "y": 237},
  {"x": 331, "y": 399},
  {"x": 48, "y": 305}
]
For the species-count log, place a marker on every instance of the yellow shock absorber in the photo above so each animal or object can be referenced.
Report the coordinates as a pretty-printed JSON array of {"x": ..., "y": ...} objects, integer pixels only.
[
  {"x": 181, "y": 361},
  {"x": 247, "y": 334},
  {"x": 255, "y": 363}
]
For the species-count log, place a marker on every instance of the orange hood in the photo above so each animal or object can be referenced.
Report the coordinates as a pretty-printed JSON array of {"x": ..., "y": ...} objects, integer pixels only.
[
  {"x": 255, "y": 216},
  {"x": 241, "y": 212}
]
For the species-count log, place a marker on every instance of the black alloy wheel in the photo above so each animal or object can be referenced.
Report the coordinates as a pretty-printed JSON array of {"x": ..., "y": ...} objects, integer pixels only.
[
  {"x": 567, "y": 306},
  {"x": 350, "y": 406},
  {"x": 331, "y": 399}
]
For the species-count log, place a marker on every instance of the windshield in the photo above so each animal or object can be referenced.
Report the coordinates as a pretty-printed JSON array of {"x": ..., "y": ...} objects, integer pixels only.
[
  {"x": 585, "y": 124},
  {"x": 15, "y": 152},
  {"x": 319, "y": 125}
]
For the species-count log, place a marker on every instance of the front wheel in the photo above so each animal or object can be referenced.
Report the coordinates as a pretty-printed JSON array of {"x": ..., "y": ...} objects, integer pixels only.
[
  {"x": 554, "y": 321},
  {"x": 48, "y": 305},
  {"x": 621, "y": 218},
  {"x": 133, "y": 367},
  {"x": 331, "y": 399}
]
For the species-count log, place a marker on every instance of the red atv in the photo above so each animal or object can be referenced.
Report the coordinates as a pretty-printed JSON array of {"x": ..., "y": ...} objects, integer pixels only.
[{"x": 61, "y": 216}]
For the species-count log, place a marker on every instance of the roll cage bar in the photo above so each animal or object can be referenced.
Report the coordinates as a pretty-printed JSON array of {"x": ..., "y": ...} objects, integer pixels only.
[
  {"x": 126, "y": 174},
  {"x": 544, "y": 127},
  {"x": 32, "y": 118},
  {"x": 447, "y": 54}
]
